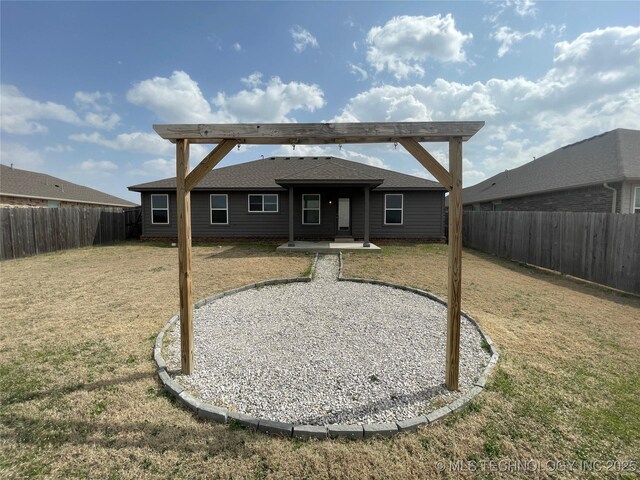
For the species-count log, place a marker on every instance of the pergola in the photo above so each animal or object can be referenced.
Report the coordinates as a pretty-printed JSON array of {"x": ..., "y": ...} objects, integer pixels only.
[{"x": 407, "y": 134}]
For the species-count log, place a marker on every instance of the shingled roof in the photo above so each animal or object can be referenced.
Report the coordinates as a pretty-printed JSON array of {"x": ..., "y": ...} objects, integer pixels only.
[
  {"x": 610, "y": 157},
  {"x": 23, "y": 183},
  {"x": 262, "y": 175}
]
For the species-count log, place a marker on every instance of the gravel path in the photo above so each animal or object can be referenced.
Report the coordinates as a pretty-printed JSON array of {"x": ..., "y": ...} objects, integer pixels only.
[{"x": 325, "y": 352}]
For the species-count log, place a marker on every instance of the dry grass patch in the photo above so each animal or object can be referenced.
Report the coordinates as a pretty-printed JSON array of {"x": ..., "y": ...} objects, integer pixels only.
[
  {"x": 568, "y": 382},
  {"x": 79, "y": 397}
]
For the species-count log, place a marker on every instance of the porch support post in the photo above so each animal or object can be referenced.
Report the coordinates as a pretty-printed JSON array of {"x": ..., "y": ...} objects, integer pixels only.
[
  {"x": 184, "y": 256},
  {"x": 366, "y": 243},
  {"x": 455, "y": 264},
  {"x": 291, "y": 243}
]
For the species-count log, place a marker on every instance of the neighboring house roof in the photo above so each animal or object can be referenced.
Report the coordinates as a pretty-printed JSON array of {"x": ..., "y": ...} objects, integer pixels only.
[
  {"x": 610, "y": 157},
  {"x": 267, "y": 173},
  {"x": 23, "y": 183}
]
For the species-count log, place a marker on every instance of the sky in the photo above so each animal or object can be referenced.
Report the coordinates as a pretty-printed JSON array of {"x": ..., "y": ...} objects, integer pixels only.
[{"x": 82, "y": 83}]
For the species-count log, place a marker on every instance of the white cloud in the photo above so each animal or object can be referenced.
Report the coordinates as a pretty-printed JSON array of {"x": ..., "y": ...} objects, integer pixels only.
[
  {"x": 593, "y": 86},
  {"x": 103, "y": 121},
  {"x": 253, "y": 80},
  {"x": 358, "y": 71},
  {"x": 20, "y": 156},
  {"x": 270, "y": 102},
  {"x": 176, "y": 99},
  {"x": 22, "y": 115},
  {"x": 98, "y": 115},
  {"x": 523, "y": 8},
  {"x": 98, "y": 166},
  {"x": 372, "y": 160},
  {"x": 237, "y": 47},
  {"x": 302, "y": 39},
  {"x": 139, "y": 142},
  {"x": 156, "y": 168},
  {"x": 508, "y": 38},
  {"x": 58, "y": 149},
  {"x": 92, "y": 100},
  {"x": 404, "y": 43}
]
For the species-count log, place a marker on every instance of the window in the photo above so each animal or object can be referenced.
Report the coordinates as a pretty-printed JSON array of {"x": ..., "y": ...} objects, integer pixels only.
[
  {"x": 311, "y": 209},
  {"x": 636, "y": 208},
  {"x": 219, "y": 209},
  {"x": 393, "y": 203},
  {"x": 263, "y": 203},
  {"x": 53, "y": 204},
  {"x": 496, "y": 206},
  {"x": 160, "y": 209}
]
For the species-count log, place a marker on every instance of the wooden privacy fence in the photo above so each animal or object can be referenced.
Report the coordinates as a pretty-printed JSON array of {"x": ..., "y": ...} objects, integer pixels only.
[
  {"x": 600, "y": 247},
  {"x": 31, "y": 231}
]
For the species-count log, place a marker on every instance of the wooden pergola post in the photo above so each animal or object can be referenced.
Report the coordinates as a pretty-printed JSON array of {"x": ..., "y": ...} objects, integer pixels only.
[
  {"x": 408, "y": 134},
  {"x": 184, "y": 256},
  {"x": 454, "y": 297}
]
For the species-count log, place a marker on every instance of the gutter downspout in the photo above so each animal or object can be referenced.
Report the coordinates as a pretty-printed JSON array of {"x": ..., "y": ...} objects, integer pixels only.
[{"x": 615, "y": 196}]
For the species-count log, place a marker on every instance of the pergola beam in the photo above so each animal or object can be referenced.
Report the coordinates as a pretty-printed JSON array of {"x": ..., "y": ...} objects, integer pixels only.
[
  {"x": 207, "y": 164},
  {"x": 319, "y": 133},
  {"x": 427, "y": 161}
]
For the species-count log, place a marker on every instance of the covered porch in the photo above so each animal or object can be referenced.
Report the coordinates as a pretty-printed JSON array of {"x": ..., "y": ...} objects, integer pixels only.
[{"x": 329, "y": 201}]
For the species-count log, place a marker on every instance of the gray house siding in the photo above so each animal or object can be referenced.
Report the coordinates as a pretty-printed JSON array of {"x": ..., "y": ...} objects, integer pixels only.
[
  {"x": 152, "y": 230},
  {"x": 423, "y": 215},
  {"x": 594, "y": 198},
  {"x": 242, "y": 223}
]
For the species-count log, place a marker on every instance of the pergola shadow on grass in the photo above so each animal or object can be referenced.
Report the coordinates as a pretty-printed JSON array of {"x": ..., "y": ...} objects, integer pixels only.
[{"x": 407, "y": 134}]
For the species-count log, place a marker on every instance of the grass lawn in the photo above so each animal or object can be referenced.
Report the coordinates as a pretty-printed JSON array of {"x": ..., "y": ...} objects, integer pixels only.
[{"x": 79, "y": 397}]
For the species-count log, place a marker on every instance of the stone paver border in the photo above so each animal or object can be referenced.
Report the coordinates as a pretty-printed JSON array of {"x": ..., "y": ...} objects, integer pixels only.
[{"x": 222, "y": 415}]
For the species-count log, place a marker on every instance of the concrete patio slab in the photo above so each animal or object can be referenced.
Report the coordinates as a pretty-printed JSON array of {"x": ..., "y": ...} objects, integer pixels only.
[{"x": 328, "y": 247}]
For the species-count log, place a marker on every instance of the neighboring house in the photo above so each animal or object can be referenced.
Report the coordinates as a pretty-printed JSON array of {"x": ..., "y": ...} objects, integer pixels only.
[
  {"x": 599, "y": 174},
  {"x": 327, "y": 197},
  {"x": 22, "y": 188}
]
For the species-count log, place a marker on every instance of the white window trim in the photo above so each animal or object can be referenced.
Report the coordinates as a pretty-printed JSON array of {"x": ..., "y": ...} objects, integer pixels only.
[
  {"x": 262, "y": 195},
  {"x": 401, "y": 209},
  {"x": 319, "y": 208},
  {"x": 635, "y": 200},
  {"x": 211, "y": 209},
  {"x": 152, "y": 209}
]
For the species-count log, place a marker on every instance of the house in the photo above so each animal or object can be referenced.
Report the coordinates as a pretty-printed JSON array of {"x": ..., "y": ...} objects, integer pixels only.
[
  {"x": 599, "y": 174},
  {"x": 317, "y": 197},
  {"x": 22, "y": 188}
]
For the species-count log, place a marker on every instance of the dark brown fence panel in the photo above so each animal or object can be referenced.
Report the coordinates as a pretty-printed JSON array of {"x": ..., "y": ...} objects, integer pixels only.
[
  {"x": 31, "y": 231},
  {"x": 600, "y": 247}
]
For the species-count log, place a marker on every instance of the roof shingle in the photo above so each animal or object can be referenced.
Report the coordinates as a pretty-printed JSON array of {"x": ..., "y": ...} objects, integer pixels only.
[
  {"x": 610, "y": 157},
  {"x": 262, "y": 175},
  {"x": 23, "y": 183}
]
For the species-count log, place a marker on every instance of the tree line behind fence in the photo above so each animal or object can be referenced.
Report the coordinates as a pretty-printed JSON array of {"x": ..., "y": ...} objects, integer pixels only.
[
  {"x": 32, "y": 231},
  {"x": 600, "y": 247}
]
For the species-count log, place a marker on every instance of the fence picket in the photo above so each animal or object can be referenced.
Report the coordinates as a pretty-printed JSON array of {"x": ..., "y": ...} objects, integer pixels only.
[
  {"x": 31, "y": 231},
  {"x": 600, "y": 247}
]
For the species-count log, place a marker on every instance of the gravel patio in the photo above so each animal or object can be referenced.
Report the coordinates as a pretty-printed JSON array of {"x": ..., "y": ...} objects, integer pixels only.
[{"x": 325, "y": 352}]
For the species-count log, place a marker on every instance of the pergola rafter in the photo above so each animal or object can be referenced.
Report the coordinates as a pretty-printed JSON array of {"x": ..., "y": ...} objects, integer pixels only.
[{"x": 408, "y": 134}]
